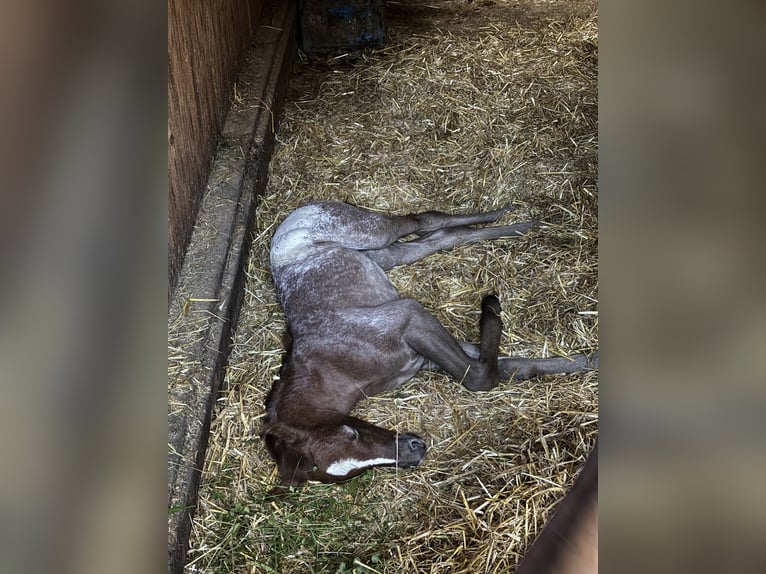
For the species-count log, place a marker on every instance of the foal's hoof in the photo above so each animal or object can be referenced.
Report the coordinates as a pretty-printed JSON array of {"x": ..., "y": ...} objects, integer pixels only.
[
  {"x": 481, "y": 383},
  {"x": 491, "y": 303}
]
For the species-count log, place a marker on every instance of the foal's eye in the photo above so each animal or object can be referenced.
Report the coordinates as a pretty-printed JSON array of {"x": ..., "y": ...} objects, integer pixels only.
[{"x": 350, "y": 432}]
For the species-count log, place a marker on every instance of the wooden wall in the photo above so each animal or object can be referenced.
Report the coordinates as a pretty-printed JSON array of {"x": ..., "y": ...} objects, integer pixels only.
[{"x": 205, "y": 40}]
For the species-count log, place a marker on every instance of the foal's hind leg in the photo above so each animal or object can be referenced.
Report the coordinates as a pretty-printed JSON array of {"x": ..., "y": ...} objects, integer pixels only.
[
  {"x": 406, "y": 252},
  {"x": 361, "y": 229}
]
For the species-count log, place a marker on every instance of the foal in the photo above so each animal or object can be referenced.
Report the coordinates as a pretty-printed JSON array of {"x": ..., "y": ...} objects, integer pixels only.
[{"x": 352, "y": 336}]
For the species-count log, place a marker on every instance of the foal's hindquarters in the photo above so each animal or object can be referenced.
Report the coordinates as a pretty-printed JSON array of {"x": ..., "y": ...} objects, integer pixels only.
[{"x": 353, "y": 337}]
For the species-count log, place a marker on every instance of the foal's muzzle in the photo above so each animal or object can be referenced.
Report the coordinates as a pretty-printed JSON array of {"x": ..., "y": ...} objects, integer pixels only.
[{"x": 411, "y": 450}]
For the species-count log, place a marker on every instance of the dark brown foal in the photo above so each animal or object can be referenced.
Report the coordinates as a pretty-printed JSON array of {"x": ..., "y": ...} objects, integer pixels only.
[{"x": 352, "y": 336}]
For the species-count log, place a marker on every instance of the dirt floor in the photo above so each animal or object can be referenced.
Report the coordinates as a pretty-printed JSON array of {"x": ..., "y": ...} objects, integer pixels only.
[{"x": 471, "y": 105}]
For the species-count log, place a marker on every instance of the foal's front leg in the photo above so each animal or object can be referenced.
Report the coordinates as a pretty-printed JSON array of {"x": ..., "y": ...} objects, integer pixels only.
[
  {"x": 523, "y": 368},
  {"x": 426, "y": 336}
]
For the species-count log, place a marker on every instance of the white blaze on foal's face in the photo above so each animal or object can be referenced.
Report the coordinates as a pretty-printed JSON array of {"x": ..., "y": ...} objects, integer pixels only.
[{"x": 344, "y": 466}]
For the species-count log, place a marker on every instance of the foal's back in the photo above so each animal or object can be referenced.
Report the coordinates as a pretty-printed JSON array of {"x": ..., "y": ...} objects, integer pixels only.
[{"x": 318, "y": 261}]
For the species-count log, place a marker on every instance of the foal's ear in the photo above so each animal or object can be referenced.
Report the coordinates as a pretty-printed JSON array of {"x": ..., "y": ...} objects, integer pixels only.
[
  {"x": 350, "y": 432},
  {"x": 287, "y": 433},
  {"x": 288, "y": 446}
]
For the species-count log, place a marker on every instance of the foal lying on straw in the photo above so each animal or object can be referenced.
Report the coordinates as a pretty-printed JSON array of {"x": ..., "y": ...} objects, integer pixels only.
[{"x": 352, "y": 336}]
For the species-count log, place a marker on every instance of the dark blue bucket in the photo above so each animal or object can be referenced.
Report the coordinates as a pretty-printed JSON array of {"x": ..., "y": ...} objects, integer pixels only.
[{"x": 329, "y": 26}]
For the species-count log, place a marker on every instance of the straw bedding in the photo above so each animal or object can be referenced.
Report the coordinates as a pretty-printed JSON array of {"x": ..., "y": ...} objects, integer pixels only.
[{"x": 470, "y": 106}]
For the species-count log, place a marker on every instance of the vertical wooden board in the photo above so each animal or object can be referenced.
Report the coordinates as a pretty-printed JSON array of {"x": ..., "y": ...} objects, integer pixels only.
[{"x": 205, "y": 43}]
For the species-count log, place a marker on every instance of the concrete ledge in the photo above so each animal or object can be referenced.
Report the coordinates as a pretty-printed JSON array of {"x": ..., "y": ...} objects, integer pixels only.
[{"x": 205, "y": 305}]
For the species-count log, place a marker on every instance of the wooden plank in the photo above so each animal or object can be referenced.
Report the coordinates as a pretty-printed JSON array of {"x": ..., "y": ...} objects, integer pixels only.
[
  {"x": 206, "y": 43},
  {"x": 205, "y": 305}
]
